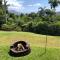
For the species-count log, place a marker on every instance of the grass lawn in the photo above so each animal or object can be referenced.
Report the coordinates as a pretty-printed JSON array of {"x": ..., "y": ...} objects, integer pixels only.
[{"x": 37, "y": 43}]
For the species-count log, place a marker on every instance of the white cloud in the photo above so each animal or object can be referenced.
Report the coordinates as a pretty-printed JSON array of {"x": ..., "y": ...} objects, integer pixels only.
[
  {"x": 18, "y": 6},
  {"x": 15, "y": 5},
  {"x": 16, "y": 9},
  {"x": 58, "y": 8},
  {"x": 35, "y": 5}
]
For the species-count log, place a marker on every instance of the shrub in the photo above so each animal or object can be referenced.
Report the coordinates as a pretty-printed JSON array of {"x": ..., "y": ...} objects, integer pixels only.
[{"x": 7, "y": 27}]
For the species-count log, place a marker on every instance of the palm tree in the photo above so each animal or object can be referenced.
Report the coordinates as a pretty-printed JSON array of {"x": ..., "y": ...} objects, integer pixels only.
[
  {"x": 1, "y": 14},
  {"x": 0, "y": 3},
  {"x": 54, "y": 3},
  {"x": 5, "y": 9}
]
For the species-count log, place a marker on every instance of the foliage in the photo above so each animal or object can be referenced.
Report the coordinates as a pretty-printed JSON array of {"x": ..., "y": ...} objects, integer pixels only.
[
  {"x": 45, "y": 21},
  {"x": 1, "y": 14},
  {"x": 54, "y": 3}
]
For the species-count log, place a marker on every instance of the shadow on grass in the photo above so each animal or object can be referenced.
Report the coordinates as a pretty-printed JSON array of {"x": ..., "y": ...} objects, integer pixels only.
[
  {"x": 21, "y": 54},
  {"x": 42, "y": 54},
  {"x": 45, "y": 48}
]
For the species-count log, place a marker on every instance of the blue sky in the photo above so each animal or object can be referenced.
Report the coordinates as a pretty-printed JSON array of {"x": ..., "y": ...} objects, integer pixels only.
[{"x": 27, "y": 6}]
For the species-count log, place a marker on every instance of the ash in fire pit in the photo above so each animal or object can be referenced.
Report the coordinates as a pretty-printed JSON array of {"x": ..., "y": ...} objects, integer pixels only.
[{"x": 19, "y": 48}]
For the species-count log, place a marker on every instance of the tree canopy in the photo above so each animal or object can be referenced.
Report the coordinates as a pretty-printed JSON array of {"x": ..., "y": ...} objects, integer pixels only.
[
  {"x": 45, "y": 21},
  {"x": 54, "y": 3}
]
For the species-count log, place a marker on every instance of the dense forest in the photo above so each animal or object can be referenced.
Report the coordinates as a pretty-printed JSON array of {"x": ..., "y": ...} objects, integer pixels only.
[{"x": 45, "y": 21}]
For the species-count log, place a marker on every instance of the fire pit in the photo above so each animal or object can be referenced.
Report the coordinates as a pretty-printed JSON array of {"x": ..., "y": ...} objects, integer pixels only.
[{"x": 19, "y": 48}]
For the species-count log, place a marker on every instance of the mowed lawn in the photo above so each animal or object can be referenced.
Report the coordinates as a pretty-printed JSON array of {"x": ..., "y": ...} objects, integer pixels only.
[{"x": 37, "y": 43}]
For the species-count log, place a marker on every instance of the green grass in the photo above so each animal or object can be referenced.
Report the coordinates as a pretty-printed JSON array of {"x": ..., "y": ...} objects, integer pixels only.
[{"x": 37, "y": 43}]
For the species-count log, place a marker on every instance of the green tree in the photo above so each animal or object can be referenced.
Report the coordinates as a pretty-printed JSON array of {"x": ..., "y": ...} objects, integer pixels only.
[
  {"x": 5, "y": 10},
  {"x": 32, "y": 15},
  {"x": 1, "y": 14},
  {"x": 0, "y": 3},
  {"x": 41, "y": 12},
  {"x": 54, "y": 3},
  {"x": 46, "y": 14}
]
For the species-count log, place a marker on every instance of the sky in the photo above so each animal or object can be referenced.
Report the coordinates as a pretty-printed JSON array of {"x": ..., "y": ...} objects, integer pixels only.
[{"x": 27, "y": 6}]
